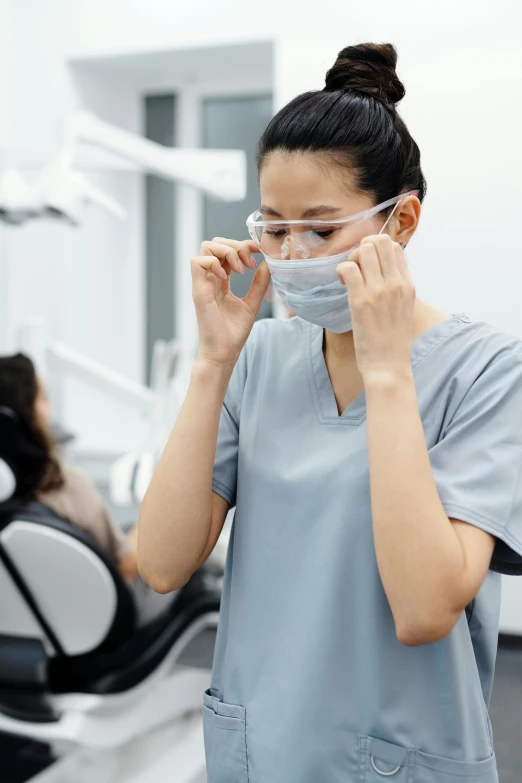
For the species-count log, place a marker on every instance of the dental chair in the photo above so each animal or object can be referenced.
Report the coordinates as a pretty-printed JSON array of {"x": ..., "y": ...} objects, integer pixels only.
[{"x": 75, "y": 672}]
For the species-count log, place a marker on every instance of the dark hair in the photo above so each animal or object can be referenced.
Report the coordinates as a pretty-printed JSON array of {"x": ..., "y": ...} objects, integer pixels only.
[
  {"x": 354, "y": 120},
  {"x": 18, "y": 391}
]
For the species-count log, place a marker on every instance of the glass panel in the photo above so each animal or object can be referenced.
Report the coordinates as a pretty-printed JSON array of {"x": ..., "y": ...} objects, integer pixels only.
[
  {"x": 159, "y": 227},
  {"x": 235, "y": 123}
]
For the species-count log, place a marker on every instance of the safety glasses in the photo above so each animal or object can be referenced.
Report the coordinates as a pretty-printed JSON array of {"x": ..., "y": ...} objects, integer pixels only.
[{"x": 286, "y": 240}]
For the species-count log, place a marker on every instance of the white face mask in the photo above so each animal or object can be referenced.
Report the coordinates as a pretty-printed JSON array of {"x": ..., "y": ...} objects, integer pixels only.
[{"x": 312, "y": 290}]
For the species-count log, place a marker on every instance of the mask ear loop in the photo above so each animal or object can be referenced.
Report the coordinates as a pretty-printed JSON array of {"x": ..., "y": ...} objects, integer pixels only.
[{"x": 403, "y": 244}]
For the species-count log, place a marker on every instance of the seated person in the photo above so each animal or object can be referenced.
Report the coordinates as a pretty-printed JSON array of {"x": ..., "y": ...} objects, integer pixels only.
[{"x": 69, "y": 493}]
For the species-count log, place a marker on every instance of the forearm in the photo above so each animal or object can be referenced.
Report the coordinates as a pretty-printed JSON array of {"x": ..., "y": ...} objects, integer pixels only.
[
  {"x": 176, "y": 514},
  {"x": 419, "y": 555}
]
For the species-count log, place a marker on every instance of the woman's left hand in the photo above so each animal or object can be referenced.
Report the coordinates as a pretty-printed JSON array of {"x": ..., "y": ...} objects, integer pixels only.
[{"x": 381, "y": 296}]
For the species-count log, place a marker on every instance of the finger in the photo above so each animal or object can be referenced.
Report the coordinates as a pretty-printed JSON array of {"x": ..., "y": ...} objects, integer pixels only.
[
  {"x": 202, "y": 266},
  {"x": 367, "y": 259},
  {"x": 224, "y": 253},
  {"x": 350, "y": 275},
  {"x": 258, "y": 289},
  {"x": 244, "y": 247},
  {"x": 385, "y": 248},
  {"x": 238, "y": 243}
]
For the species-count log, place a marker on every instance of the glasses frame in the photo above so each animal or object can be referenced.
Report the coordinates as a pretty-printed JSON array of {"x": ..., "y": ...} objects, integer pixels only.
[{"x": 252, "y": 220}]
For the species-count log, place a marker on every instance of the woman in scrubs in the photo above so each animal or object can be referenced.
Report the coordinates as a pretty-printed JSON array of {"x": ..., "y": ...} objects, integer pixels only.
[{"x": 372, "y": 448}]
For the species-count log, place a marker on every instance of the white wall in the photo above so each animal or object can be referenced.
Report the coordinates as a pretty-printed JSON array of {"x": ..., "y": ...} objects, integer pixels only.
[
  {"x": 7, "y": 84},
  {"x": 7, "y": 122}
]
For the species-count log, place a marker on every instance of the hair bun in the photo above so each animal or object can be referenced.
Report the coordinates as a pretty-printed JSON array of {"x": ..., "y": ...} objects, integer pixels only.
[{"x": 369, "y": 69}]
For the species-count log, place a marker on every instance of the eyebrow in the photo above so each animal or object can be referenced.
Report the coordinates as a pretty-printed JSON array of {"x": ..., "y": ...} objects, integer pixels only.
[{"x": 322, "y": 209}]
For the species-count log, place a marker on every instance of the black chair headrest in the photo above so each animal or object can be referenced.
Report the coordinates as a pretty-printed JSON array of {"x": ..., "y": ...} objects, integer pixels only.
[{"x": 21, "y": 459}]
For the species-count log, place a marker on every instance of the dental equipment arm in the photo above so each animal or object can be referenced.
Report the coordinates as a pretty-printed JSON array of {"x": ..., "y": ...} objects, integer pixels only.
[
  {"x": 220, "y": 173},
  {"x": 61, "y": 192}
]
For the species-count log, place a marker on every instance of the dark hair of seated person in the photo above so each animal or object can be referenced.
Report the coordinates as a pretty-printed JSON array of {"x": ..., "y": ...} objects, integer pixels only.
[{"x": 20, "y": 389}]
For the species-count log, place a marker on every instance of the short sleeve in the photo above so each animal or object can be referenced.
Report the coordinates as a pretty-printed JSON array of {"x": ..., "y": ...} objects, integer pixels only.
[
  {"x": 224, "y": 479},
  {"x": 477, "y": 464}
]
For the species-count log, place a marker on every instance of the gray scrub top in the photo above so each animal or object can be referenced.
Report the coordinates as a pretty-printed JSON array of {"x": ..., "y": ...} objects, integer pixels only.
[{"x": 310, "y": 683}]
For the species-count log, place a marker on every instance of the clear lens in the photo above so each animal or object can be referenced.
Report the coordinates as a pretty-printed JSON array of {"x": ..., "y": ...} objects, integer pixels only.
[{"x": 295, "y": 242}]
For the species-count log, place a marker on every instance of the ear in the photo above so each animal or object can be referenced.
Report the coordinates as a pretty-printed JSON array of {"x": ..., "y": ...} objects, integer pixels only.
[{"x": 406, "y": 219}]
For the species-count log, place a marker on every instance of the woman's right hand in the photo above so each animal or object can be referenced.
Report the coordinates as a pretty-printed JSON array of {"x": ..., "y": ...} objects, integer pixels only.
[{"x": 224, "y": 320}]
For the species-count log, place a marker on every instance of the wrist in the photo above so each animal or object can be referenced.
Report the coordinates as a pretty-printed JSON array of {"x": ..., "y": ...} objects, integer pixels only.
[
  {"x": 387, "y": 377},
  {"x": 210, "y": 371}
]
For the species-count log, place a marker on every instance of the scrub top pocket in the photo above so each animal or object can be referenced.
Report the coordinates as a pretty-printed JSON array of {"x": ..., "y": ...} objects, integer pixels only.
[
  {"x": 224, "y": 728},
  {"x": 437, "y": 769},
  {"x": 380, "y": 761}
]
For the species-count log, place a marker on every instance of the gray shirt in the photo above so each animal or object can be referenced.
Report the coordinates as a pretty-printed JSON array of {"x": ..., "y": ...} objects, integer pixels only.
[{"x": 310, "y": 683}]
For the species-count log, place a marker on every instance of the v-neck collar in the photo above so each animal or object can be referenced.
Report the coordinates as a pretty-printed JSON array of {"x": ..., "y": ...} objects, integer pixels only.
[{"x": 321, "y": 385}]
